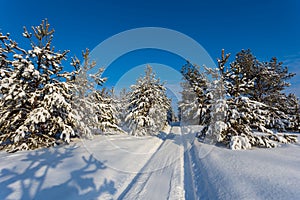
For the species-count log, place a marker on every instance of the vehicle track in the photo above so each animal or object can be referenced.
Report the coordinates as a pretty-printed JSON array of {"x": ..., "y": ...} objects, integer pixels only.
[{"x": 163, "y": 172}]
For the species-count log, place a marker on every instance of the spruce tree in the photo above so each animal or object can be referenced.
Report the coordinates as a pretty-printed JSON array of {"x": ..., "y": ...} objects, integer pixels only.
[
  {"x": 188, "y": 105},
  {"x": 106, "y": 111},
  {"x": 148, "y": 106},
  {"x": 39, "y": 103},
  {"x": 194, "y": 102},
  {"x": 95, "y": 107},
  {"x": 35, "y": 104},
  {"x": 269, "y": 79},
  {"x": 121, "y": 107},
  {"x": 235, "y": 119}
]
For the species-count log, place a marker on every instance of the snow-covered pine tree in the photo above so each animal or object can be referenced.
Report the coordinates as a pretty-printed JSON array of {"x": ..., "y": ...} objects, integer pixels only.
[
  {"x": 250, "y": 67},
  {"x": 294, "y": 108},
  {"x": 106, "y": 112},
  {"x": 188, "y": 105},
  {"x": 234, "y": 119},
  {"x": 38, "y": 102},
  {"x": 216, "y": 115},
  {"x": 121, "y": 102},
  {"x": 83, "y": 88},
  {"x": 194, "y": 102},
  {"x": 270, "y": 80},
  {"x": 273, "y": 80},
  {"x": 171, "y": 116},
  {"x": 95, "y": 108},
  {"x": 286, "y": 113},
  {"x": 35, "y": 105},
  {"x": 148, "y": 106},
  {"x": 238, "y": 82}
]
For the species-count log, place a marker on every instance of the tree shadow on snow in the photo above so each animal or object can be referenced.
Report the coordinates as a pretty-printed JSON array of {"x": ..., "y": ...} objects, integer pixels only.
[
  {"x": 177, "y": 139},
  {"x": 165, "y": 136},
  {"x": 30, "y": 180}
]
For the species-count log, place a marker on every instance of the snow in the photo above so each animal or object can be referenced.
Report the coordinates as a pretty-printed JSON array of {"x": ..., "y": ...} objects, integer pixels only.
[
  {"x": 172, "y": 165},
  {"x": 37, "y": 50},
  {"x": 252, "y": 174},
  {"x": 239, "y": 142}
]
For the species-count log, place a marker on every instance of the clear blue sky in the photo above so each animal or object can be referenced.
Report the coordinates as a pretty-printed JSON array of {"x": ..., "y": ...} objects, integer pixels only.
[{"x": 268, "y": 27}]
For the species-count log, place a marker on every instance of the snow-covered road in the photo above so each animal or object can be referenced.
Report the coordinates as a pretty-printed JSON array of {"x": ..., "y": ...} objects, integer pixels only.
[
  {"x": 172, "y": 166},
  {"x": 162, "y": 175}
]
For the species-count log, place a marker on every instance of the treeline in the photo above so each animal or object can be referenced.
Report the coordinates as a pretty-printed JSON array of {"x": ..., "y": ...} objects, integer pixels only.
[{"x": 42, "y": 105}]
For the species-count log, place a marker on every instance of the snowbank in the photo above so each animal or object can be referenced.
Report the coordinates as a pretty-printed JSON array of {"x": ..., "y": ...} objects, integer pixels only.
[{"x": 252, "y": 174}]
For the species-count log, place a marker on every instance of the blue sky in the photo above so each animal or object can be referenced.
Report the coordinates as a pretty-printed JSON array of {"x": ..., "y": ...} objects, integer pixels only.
[{"x": 268, "y": 27}]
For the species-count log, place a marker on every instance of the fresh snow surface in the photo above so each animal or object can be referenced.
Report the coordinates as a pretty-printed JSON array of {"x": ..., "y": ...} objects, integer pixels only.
[
  {"x": 221, "y": 173},
  {"x": 171, "y": 166}
]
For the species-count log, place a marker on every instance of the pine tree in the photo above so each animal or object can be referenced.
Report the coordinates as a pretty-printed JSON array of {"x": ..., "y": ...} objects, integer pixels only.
[
  {"x": 39, "y": 103},
  {"x": 194, "y": 102},
  {"x": 148, "y": 106},
  {"x": 286, "y": 113},
  {"x": 188, "y": 106},
  {"x": 233, "y": 119},
  {"x": 215, "y": 119},
  {"x": 84, "y": 88},
  {"x": 106, "y": 112},
  {"x": 121, "y": 103},
  {"x": 270, "y": 80},
  {"x": 274, "y": 77},
  {"x": 35, "y": 104},
  {"x": 95, "y": 108}
]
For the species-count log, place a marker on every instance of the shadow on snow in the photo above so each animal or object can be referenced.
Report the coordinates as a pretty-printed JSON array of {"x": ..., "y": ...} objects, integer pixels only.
[{"x": 31, "y": 180}]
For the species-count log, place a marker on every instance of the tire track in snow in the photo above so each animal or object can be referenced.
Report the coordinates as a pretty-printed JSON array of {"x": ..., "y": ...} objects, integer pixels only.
[
  {"x": 177, "y": 190},
  {"x": 138, "y": 175},
  {"x": 162, "y": 176},
  {"x": 189, "y": 182},
  {"x": 202, "y": 186}
]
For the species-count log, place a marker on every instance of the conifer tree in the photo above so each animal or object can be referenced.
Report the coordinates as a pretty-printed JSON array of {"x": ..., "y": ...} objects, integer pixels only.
[
  {"x": 194, "y": 102},
  {"x": 95, "y": 107},
  {"x": 234, "y": 119},
  {"x": 148, "y": 106},
  {"x": 269, "y": 81},
  {"x": 39, "y": 103},
  {"x": 188, "y": 105},
  {"x": 35, "y": 104},
  {"x": 106, "y": 111},
  {"x": 121, "y": 107}
]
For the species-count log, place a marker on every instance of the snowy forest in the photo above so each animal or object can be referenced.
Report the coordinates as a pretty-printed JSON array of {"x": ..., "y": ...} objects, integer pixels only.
[{"x": 241, "y": 104}]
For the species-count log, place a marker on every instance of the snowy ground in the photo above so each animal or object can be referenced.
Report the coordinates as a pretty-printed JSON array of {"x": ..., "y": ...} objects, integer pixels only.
[{"x": 123, "y": 167}]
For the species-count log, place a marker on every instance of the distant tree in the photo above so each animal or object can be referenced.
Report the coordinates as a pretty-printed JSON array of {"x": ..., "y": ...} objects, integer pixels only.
[
  {"x": 171, "y": 116},
  {"x": 106, "y": 112},
  {"x": 121, "y": 107},
  {"x": 148, "y": 106},
  {"x": 194, "y": 95},
  {"x": 188, "y": 105}
]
